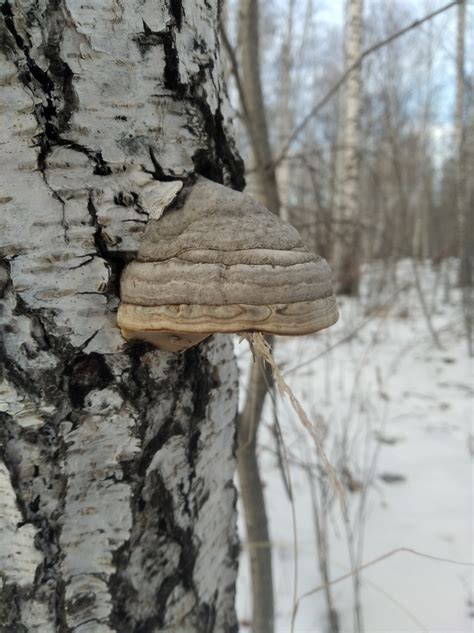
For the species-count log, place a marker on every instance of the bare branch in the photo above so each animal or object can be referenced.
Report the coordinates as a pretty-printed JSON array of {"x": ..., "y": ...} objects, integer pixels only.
[
  {"x": 328, "y": 96},
  {"x": 379, "y": 559}
]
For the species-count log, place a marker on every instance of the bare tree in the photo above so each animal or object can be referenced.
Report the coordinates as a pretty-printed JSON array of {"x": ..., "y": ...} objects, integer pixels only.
[
  {"x": 260, "y": 378},
  {"x": 116, "y": 460}
]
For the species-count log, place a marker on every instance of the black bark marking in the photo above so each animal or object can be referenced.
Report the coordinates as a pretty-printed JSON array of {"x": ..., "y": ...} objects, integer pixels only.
[
  {"x": 205, "y": 165},
  {"x": 158, "y": 173},
  {"x": 55, "y": 87},
  {"x": 116, "y": 260},
  {"x": 49, "y": 115},
  {"x": 10, "y": 614},
  {"x": 228, "y": 154},
  {"x": 153, "y": 505},
  {"x": 101, "y": 168},
  {"x": 172, "y": 77},
  {"x": 176, "y": 8},
  {"x": 220, "y": 153},
  {"x": 147, "y": 39},
  {"x": 86, "y": 373},
  {"x": 47, "y": 536}
]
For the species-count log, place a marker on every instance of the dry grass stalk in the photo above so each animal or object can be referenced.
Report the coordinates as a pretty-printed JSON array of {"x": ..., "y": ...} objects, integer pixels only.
[{"x": 261, "y": 348}]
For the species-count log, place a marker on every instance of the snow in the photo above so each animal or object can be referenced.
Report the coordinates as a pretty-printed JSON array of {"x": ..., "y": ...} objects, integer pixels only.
[{"x": 393, "y": 405}]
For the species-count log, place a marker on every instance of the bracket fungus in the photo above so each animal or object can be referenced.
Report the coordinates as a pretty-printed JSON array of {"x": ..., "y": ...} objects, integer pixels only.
[{"x": 218, "y": 261}]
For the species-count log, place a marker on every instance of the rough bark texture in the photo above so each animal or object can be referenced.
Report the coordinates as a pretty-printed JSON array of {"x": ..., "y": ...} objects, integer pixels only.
[{"x": 116, "y": 461}]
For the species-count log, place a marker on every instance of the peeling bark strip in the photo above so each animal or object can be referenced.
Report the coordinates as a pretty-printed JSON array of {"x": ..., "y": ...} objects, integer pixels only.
[{"x": 116, "y": 461}]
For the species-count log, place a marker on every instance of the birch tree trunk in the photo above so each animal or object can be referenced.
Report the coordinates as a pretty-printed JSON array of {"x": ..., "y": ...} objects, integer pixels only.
[
  {"x": 347, "y": 254},
  {"x": 116, "y": 460}
]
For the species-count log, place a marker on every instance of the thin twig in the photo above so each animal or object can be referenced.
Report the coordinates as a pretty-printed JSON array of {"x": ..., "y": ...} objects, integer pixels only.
[
  {"x": 379, "y": 559},
  {"x": 424, "y": 306},
  {"x": 401, "y": 606},
  {"x": 349, "y": 336},
  {"x": 292, "y": 503}
]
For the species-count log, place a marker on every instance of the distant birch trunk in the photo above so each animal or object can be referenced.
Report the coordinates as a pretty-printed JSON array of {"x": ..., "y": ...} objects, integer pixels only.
[
  {"x": 347, "y": 242},
  {"x": 464, "y": 209},
  {"x": 459, "y": 129},
  {"x": 116, "y": 461}
]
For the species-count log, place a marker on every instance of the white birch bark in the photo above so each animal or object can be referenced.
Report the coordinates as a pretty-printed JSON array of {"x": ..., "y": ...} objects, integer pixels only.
[
  {"x": 347, "y": 260},
  {"x": 116, "y": 460}
]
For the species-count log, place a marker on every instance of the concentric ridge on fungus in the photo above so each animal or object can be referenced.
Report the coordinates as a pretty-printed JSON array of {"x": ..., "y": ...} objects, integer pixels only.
[{"x": 219, "y": 261}]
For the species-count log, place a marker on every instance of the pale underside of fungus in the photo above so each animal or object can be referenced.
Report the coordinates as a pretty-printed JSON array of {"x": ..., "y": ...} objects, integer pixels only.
[{"x": 218, "y": 261}]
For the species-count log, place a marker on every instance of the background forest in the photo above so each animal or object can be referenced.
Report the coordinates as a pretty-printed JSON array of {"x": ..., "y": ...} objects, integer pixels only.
[{"x": 356, "y": 122}]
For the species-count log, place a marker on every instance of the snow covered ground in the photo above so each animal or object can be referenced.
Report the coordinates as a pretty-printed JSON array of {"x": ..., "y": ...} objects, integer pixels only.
[{"x": 397, "y": 413}]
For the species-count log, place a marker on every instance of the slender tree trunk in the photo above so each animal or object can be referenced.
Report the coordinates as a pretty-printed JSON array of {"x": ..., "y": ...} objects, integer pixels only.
[
  {"x": 286, "y": 120},
  {"x": 251, "y": 491},
  {"x": 347, "y": 254},
  {"x": 257, "y": 120},
  {"x": 116, "y": 460},
  {"x": 459, "y": 131},
  {"x": 258, "y": 537}
]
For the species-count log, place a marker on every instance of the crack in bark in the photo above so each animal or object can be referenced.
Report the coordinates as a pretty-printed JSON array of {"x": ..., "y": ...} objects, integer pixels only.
[
  {"x": 158, "y": 173},
  {"x": 61, "y": 201},
  {"x": 52, "y": 119},
  {"x": 115, "y": 260},
  {"x": 91, "y": 257}
]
